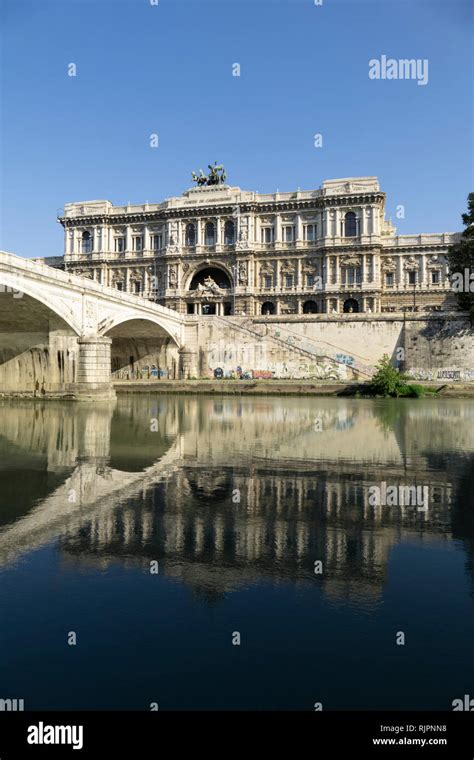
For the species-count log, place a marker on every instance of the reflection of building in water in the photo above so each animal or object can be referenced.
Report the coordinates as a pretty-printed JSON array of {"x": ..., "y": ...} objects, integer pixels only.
[
  {"x": 231, "y": 490},
  {"x": 284, "y": 522}
]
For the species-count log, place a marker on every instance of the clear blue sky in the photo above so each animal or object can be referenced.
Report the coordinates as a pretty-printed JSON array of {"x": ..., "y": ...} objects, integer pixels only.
[{"x": 167, "y": 69}]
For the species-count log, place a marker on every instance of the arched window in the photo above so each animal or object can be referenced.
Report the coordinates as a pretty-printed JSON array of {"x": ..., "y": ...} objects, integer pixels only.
[
  {"x": 229, "y": 233},
  {"x": 190, "y": 235},
  {"x": 310, "y": 307},
  {"x": 209, "y": 234},
  {"x": 351, "y": 306},
  {"x": 350, "y": 224},
  {"x": 86, "y": 242},
  {"x": 268, "y": 308}
]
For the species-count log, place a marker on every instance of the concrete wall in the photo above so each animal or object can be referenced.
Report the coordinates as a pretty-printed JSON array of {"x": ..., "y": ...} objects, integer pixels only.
[
  {"x": 440, "y": 349},
  {"x": 322, "y": 347},
  {"x": 144, "y": 358},
  {"x": 37, "y": 362}
]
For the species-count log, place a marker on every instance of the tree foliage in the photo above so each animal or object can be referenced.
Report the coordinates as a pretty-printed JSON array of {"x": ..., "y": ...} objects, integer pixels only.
[
  {"x": 388, "y": 381},
  {"x": 461, "y": 261}
]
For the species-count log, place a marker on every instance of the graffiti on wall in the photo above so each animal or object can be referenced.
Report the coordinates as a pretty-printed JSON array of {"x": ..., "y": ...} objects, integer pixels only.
[
  {"x": 281, "y": 371},
  {"x": 345, "y": 359},
  {"x": 453, "y": 375}
]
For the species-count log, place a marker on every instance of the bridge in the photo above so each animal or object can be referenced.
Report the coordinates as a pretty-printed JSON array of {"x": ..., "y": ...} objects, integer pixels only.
[{"x": 62, "y": 334}]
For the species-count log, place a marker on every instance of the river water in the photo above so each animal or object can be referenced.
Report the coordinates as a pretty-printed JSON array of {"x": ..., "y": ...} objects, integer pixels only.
[{"x": 237, "y": 553}]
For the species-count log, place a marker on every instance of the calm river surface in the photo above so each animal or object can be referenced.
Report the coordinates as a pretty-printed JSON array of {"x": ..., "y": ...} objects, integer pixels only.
[{"x": 259, "y": 515}]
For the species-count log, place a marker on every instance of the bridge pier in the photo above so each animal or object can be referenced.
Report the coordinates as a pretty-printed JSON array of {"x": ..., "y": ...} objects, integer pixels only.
[{"x": 94, "y": 377}]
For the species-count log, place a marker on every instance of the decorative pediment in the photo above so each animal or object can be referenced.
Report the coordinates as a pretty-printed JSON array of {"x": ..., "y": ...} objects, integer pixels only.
[
  {"x": 389, "y": 265},
  {"x": 309, "y": 267},
  {"x": 410, "y": 264},
  {"x": 266, "y": 268},
  {"x": 351, "y": 261},
  {"x": 288, "y": 267},
  {"x": 434, "y": 262},
  {"x": 119, "y": 231}
]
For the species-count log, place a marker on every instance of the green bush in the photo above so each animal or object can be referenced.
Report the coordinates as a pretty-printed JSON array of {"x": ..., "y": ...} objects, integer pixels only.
[{"x": 388, "y": 381}]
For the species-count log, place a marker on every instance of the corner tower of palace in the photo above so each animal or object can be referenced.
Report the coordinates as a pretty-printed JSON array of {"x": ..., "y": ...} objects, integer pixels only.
[{"x": 221, "y": 250}]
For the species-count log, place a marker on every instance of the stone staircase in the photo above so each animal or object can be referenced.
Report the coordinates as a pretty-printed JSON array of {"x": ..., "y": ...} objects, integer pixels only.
[{"x": 318, "y": 353}]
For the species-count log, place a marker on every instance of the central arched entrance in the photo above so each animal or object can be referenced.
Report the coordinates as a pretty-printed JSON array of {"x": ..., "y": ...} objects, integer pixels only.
[{"x": 210, "y": 292}]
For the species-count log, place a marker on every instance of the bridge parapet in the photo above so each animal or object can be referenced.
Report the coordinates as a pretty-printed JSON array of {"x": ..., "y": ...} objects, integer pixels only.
[{"x": 85, "y": 317}]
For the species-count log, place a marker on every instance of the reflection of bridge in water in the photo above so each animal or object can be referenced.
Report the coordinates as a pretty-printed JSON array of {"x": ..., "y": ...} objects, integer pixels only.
[{"x": 297, "y": 491}]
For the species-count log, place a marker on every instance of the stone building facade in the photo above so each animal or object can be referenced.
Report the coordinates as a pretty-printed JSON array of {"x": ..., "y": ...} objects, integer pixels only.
[{"x": 221, "y": 250}]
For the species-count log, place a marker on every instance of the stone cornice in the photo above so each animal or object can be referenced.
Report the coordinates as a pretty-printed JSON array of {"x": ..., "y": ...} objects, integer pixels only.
[
  {"x": 225, "y": 209},
  {"x": 413, "y": 248}
]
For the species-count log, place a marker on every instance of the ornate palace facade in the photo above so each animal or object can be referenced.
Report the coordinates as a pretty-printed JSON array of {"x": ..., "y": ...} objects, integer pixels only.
[{"x": 221, "y": 250}]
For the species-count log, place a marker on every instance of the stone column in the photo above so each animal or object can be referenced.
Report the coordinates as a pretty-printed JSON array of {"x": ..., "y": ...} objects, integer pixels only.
[
  {"x": 128, "y": 238},
  {"x": 326, "y": 225},
  {"x": 277, "y": 228},
  {"x": 299, "y": 228},
  {"x": 146, "y": 238},
  {"x": 93, "y": 369}
]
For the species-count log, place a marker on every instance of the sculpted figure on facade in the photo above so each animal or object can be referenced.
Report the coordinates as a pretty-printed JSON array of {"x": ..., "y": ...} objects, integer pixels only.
[
  {"x": 243, "y": 276},
  {"x": 173, "y": 276},
  {"x": 209, "y": 285}
]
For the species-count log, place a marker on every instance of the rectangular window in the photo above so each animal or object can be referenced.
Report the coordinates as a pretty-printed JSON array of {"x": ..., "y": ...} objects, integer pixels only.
[
  {"x": 352, "y": 275},
  {"x": 267, "y": 235},
  {"x": 412, "y": 278},
  {"x": 435, "y": 278},
  {"x": 288, "y": 234},
  {"x": 120, "y": 286},
  {"x": 310, "y": 232},
  {"x": 289, "y": 280},
  {"x": 155, "y": 242},
  {"x": 137, "y": 243},
  {"x": 389, "y": 279},
  {"x": 137, "y": 287},
  {"x": 310, "y": 280},
  {"x": 267, "y": 281},
  {"x": 119, "y": 244}
]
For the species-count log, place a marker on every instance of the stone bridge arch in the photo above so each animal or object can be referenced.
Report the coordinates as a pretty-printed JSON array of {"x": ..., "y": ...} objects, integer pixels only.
[
  {"x": 142, "y": 347},
  {"x": 15, "y": 288},
  {"x": 71, "y": 324}
]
